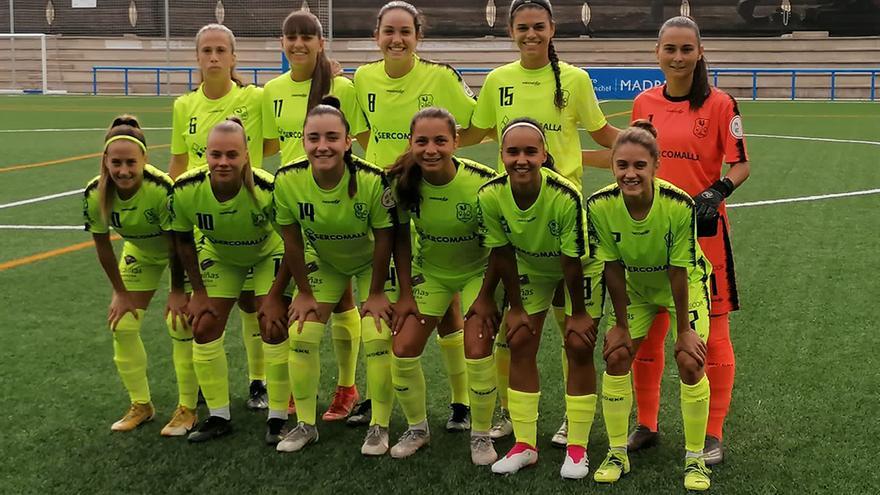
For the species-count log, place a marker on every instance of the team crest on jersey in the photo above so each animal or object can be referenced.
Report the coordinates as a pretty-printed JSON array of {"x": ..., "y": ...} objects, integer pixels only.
[
  {"x": 241, "y": 112},
  {"x": 129, "y": 259},
  {"x": 566, "y": 94},
  {"x": 736, "y": 127},
  {"x": 555, "y": 229},
  {"x": 464, "y": 212},
  {"x": 701, "y": 127},
  {"x": 258, "y": 218},
  {"x": 426, "y": 100},
  {"x": 206, "y": 263},
  {"x": 361, "y": 211},
  {"x": 151, "y": 216},
  {"x": 388, "y": 198},
  {"x": 197, "y": 150}
]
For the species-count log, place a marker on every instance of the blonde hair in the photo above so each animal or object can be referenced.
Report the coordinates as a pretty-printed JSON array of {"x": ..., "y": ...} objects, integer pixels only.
[
  {"x": 123, "y": 125},
  {"x": 231, "y": 125},
  {"x": 231, "y": 38}
]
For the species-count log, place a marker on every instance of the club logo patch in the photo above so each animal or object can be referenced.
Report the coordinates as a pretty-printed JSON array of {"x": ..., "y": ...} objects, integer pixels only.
[
  {"x": 701, "y": 127},
  {"x": 258, "y": 218},
  {"x": 566, "y": 94},
  {"x": 555, "y": 229},
  {"x": 426, "y": 100},
  {"x": 736, "y": 127},
  {"x": 151, "y": 216},
  {"x": 388, "y": 198},
  {"x": 360, "y": 211},
  {"x": 464, "y": 212},
  {"x": 241, "y": 112}
]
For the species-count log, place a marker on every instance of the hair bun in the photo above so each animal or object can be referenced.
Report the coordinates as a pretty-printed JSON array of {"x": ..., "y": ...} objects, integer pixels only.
[
  {"x": 646, "y": 125},
  {"x": 236, "y": 119},
  {"x": 331, "y": 101},
  {"x": 129, "y": 120}
]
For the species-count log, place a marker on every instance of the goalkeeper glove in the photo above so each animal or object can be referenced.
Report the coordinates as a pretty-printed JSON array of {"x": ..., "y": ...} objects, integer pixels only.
[{"x": 707, "y": 203}]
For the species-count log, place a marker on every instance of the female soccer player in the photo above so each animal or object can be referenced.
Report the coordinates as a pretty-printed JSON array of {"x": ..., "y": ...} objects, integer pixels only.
[
  {"x": 533, "y": 221},
  {"x": 561, "y": 98},
  {"x": 131, "y": 196},
  {"x": 390, "y": 92},
  {"x": 230, "y": 205},
  {"x": 699, "y": 128},
  {"x": 644, "y": 230},
  {"x": 343, "y": 207},
  {"x": 286, "y": 101},
  {"x": 221, "y": 94},
  {"x": 438, "y": 192}
]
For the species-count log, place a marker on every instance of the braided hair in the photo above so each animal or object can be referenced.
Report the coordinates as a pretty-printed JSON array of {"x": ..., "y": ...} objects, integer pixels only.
[{"x": 517, "y": 5}]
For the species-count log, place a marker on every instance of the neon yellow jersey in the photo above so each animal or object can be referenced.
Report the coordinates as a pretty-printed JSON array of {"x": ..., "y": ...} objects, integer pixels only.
[
  {"x": 195, "y": 115},
  {"x": 511, "y": 91},
  {"x": 140, "y": 219},
  {"x": 389, "y": 104},
  {"x": 238, "y": 231},
  {"x": 445, "y": 221},
  {"x": 284, "y": 110},
  {"x": 667, "y": 236},
  {"x": 552, "y": 226},
  {"x": 337, "y": 227}
]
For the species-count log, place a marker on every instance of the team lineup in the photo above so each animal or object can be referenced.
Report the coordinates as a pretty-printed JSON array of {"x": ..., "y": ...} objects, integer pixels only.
[{"x": 412, "y": 238}]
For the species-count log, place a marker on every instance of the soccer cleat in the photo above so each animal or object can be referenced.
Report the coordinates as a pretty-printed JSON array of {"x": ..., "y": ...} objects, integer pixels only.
[
  {"x": 183, "y": 420},
  {"x": 576, "y": 465},
  {"x": 211, "y": 428},
  {"x": 713, "y": 452},
  {"x": 522, "y": 455},
  {"x": 615, "y": 465},
  {"x": 136, "y": 415},
  {"x": 482, "y": 450},
  {"x": 410, "y": 442},
  {"x": 291, "y": 407},
  {"x": 362, "y": 414},
  {"x": 696, "y": 474},
  {"x": 560, "y": 438},
  {"x": 459, "y": 418},
  {"x": 276, "y": 428},
  {"x": 376, "y": 441},
  {"x": 641, "y": 438},
  {"x": 258, "y": 398},
  {"x": 297, "y": 438},
  {"x": 343, "y": 402},
  {"x": 503, "y": 427}
]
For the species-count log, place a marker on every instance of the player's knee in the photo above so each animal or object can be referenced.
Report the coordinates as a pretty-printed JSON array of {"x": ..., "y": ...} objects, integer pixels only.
[
  {"x": 247, "y": 302},
  {"x": 687, "y": 365},
  {"x": 405, "y": 348},
  {"x": 476, "y": 347},
  {"x": 577, "y": 349},
  {"x": 619, "y": 361}
]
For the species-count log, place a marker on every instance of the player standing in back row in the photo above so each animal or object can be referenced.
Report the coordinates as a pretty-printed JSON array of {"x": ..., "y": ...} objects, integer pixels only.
[
  {"x": 220, "y": 95},
  {"x": 698, "y": 129}
]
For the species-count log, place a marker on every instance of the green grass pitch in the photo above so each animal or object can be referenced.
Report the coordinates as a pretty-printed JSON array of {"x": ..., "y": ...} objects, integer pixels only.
[{"x": 802, "y": 418}]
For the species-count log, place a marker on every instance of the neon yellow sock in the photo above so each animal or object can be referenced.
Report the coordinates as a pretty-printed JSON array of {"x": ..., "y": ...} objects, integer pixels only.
[
  {"x": 580, "y": 410},
  {"x": 253, "y": 345},
  {"x": 502, "y": 365},
  {"x": 277, "y": 377},
  {"x": 524, "y": 415},
  {"x": 131, "y": 357},
  {"x": 559, "y": 316},
  {"x": 695, "y": 413},
  {"x": 483, "y": 390},
  {"x": 345, "y": 328},
  {"x": 617, "y": 398},
  {"x": 409, "y": 388},
  {"x": 452, "y": 351},
  {"x": 305, "y": 369},
  {"x": 377, "y": 348},
  {"x": 182, "y": 357},
  {"x": 212, "y": 370}
]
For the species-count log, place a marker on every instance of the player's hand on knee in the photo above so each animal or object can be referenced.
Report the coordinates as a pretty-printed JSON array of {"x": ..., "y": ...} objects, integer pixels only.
[
  {"x": 691, "y": 344},
  {"x": 120, "y": 304},
  {"x": 617, "y": 337},
  {"x": 303, "y": 305},
  {"x": 198, "y": 307},
  {"x": 273, "y": 318},
  {"x": 378, "y": 306},
  {"x": 517, "y": 321},
  {"x": 581, "y": 326},
  {"x": 404, "y": 308},
  {"x": 486, "y": 313},
  {"x": 176, "y": 307}
]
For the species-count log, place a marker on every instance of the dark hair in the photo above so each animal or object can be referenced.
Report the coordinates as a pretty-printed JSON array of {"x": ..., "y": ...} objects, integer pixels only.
[
  {"x": 516, "y": 5},
  {"x": 303, "y": 22},
  {"x": 330, "y": 106},
  {"x": 228, "y": 32},
  {"x": 234, "y": 125},
  {"x": 641, "y": 132},
  {"x": 700, "y": 88},
  {"x": 418, "y": 18},
  {"x": 123, "y": 125},
  {"x": 549, "y": 162},
  {"x": 406, "y": 167}
]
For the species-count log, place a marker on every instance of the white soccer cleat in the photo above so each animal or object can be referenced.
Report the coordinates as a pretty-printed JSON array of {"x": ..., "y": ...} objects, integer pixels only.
[
  {"x": 482, "y": 450},
  {"x": 576, "y": 465},
  {"x": 376, "y": 441},
  {"x": 520, "y": 456},
  {"x": 298, "y": 438},
  {"x": 410, "y": 442}
]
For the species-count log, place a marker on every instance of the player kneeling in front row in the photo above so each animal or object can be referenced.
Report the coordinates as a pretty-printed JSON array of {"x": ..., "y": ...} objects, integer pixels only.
[
  {"x": 532, "y": 219},
  {"x": 231, "y": 206},
  {"x": 644, "y": 230},
  {"x": 131, "y": 196},
  {"x": 336, "y": 217}
]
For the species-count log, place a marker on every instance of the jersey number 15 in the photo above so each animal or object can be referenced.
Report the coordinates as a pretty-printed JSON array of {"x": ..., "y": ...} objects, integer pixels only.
[{"x": 505, "y": 94}]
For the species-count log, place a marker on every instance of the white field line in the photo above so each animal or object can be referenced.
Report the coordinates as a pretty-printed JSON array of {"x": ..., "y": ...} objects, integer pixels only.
[
  {"x": 76, "y": 129},
  {"x": 41, "y": 198},
  {"x": 804, "y": 138},
  {"x": 41, "y": 227}
]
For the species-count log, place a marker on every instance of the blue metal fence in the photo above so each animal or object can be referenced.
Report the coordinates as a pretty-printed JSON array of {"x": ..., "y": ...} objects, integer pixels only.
[{"x": 610, "y": 82}]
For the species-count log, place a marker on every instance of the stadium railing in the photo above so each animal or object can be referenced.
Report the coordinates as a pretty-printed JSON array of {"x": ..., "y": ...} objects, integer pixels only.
[{"x": 714, "y": 72}]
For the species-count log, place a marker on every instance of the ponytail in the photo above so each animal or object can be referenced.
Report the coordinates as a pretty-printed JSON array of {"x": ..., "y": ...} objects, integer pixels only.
[
  {"x": 700, "y": 87},
  {"x": 123, "y": 125},
  {"x": 641, "y": 132},
  {"x": 303, "y": 22}
]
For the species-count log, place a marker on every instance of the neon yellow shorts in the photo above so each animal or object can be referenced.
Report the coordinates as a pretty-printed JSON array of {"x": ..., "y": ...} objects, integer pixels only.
[
  {"x": 328, "y": 284},
  {"x": 537, "y": 292},
  {"x": 644, "y": 305},
  {"x": 140, "y": 271},
  {"x": 228, "y": 281},
  {"x": 433, "y": 293}
]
